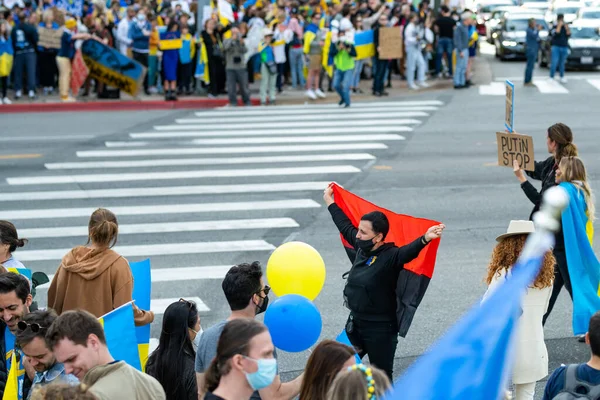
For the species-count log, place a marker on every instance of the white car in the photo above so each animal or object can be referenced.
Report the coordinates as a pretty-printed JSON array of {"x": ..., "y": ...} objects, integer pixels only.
[
  {"x": 569, "y": 9},
  {"x": 590, "y": 13}
]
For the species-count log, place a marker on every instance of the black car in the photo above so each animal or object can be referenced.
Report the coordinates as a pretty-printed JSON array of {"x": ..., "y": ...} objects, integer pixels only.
[
  {"x": 584, "y": 46},
  {"x": 510, "y": 38}
]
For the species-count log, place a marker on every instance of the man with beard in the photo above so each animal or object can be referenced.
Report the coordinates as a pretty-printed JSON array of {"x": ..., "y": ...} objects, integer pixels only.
[
  {"x": 15, "y": 300},
  {"x": 39, "y": 361},
  {"x": 247, "y": 296}
]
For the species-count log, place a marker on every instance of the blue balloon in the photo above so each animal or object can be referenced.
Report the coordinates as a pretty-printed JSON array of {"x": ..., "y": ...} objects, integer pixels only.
[{"x": 294, "y": 323}]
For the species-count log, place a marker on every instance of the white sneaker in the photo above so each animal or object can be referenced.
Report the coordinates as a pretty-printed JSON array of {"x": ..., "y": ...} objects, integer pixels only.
[
  {"x": 413, "y": 87},
  {"x": 320, "y": 93},
  {"x": 6, "y": 100},
  {"x": 563, "y": 80},
  {"x": 18, "y": 94},
  {"x": 311, "y": 94},
  {"x": 423, "y": 84},
  {"x": 31, "y": 94}
]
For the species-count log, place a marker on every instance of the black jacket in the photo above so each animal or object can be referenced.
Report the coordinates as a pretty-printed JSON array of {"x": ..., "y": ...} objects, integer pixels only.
[
  {"x": 378, "y": 286},
  {"x": 544, "y": 171}
]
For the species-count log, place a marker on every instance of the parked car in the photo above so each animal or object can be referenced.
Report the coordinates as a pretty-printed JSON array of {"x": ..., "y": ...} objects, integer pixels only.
[
  {"x": 590, "y": 13},
  {"x": 492, "y": 23},
  {"x": 485, "y": 10},
  {"x": 570, "y": 10},
  {"x": 510, "y": 40},
  {"x": 584, "y": 46}
]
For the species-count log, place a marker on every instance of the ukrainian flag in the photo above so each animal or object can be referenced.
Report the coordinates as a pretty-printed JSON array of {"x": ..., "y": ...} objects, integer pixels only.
[
  {"x": 12, "y": 363},
  {"x": 21, "y": 271},
  {"x": 364, "y": 45},
  {"x": 169, "y": 40},
  {"x": 121, "y": 339},
  {"x": 225, "y": 16},
  {"x": 309, "y": 35},
  {"x": 142, "y": 289},
  {"x": 202, "y": 66},
  {"x": 11, "y": 390},
  {"x": 6, "y": 57},
  {"x": 327, "y": 60}
]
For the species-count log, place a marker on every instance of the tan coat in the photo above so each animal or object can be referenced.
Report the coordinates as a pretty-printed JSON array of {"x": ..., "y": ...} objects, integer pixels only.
[
  {"x": 119, "y": 380},
  {"x": 97, "y": 281}
]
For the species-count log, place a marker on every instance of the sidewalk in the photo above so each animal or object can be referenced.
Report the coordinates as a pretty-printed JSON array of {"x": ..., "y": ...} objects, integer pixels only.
[{"x": 156, "y": 102}]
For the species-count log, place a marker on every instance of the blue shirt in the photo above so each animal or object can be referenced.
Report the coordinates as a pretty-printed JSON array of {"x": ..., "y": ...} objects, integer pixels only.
[
  {"x": 55, "y": 373},
  {"x": 532, "y": 40},
  {"x": 67, "y": 45},
  {"x": 12, "y": 263},
  {"x": 556, "y": 382}
]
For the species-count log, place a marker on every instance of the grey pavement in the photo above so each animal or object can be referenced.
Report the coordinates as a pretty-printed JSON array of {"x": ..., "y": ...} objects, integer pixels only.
[{"x": 443, "y": 169}]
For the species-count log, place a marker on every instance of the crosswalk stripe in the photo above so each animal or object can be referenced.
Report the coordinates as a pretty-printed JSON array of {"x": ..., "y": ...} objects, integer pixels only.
[
  {"x": 232, "y": 150},
  {"x": 336, "y": 127},
  {"x": 338, "y": 113},
  {"x": 594, "y": 82},
  {"x": 148, "y": 176},
  {"x": 163, "y": 191},
  {"x": 240, "y": 128},
  {"x": 166, "y": 227},
  {"x": 374, "y": 104},
  {"x": 160, "y": 249},
  {"x": 177, "y": 274},
  {"x": 158, "y": 306},
  {"x": 380, "y": 116},
  {"x": 161, "y": 209},
  {"x": 493, "y": 89},
  {"x": 211, "y": 161},
  {"x": 549, "y": 86}
]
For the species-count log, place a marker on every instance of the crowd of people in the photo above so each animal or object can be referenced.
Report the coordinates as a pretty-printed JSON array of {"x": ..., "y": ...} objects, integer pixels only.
[
  {"x": 63, "y": 354},
  {"x": 286, "y": 44}
]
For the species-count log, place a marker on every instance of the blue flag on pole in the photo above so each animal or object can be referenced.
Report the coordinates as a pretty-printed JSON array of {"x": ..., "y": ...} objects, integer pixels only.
[
  {"x": 142, "y": 289},
  {"x": 473, "y": 359},
  {"x": 119, "y": 329}
]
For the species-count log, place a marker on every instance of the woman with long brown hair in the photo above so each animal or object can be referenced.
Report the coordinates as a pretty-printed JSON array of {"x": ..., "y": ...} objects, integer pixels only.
[
  {"x": 325, "y": 362},
  {"x": 531, "y": 361},
  {"x": 94, "y": 277},
  {"x": 559, "y": 142},
  {"x": 360, "y": 382}
]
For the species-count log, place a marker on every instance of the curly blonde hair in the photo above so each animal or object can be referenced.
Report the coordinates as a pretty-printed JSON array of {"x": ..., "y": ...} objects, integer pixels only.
[
  {"x": 505, "y": 255},
  {"x": 61, "y": 391}
]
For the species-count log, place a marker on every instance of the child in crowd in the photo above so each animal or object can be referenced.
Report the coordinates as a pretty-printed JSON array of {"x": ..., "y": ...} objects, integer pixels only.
[
  {"x": 268, "y": 68},
  {"x": 170, "y": 59},
  {"x": 186, "y": 56}
]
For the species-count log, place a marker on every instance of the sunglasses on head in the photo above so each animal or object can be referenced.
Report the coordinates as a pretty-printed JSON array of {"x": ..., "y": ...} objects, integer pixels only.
[
  {"x": 35, "y": 328},
  {"x": 190, "y": 304}
]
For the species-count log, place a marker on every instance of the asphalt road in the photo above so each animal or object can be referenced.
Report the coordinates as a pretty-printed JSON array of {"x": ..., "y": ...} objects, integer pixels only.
[{"x": 442, "y": 169}]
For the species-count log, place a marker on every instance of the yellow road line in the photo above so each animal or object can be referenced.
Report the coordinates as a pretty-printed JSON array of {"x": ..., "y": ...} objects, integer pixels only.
[
  {"x": 382, "y": 167},
  {"x": 17, "y": 156}
]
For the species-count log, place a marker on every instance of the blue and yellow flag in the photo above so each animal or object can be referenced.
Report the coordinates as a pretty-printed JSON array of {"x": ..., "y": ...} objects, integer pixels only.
[
  {"x": 364, "y": 45},
  {"x": 310, "y": 33},
  {"x": 6, "y": 56},
  {"x": 142, "y": 290},
  {"x": 11, "y": 390},
  {"x": 327, "y": 60},
  {"x": 21, "y": 271},
  {"x": 169, "y": 40},
  {"x": 202, "y": 65},
  {"x": 121, "y": 339},
  {"x": 225, "y": 12},
  {"x": 584, "y": 267}
]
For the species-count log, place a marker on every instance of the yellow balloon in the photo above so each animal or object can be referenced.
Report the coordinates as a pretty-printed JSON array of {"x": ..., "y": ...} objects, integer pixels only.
[{"x": 296, "y": 268}]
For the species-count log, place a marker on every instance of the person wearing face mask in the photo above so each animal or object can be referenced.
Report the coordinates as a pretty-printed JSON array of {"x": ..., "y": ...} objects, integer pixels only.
[
  {"x": 139, "y": 33},
  {"x": 370, "y": 291},
  {"x": 172, "y": 363},
  {"x": 247, "y": 296},
  {"x": 244, "y": 362}
]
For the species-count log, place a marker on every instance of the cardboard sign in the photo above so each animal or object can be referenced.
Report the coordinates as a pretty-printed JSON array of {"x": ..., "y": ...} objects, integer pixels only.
[
  {"x": 512, "y": 146},
  {"x": 390, "y": 43},
  {"x": 112, "y": 68},
  {"x": 49, "y": 38},
  {"x": 510, "y": 112},
  {"x": 79, "y": 73}
]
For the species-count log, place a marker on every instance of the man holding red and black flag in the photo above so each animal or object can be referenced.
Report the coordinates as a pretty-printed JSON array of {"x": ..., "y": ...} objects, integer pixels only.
[{"x": 387, "y": 280}]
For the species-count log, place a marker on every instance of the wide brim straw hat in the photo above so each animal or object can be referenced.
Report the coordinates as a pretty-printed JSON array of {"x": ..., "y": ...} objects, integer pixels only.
[{"x": 517, "y": 227}]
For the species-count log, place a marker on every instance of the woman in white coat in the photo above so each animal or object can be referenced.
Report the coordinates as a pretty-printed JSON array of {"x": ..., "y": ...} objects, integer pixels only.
[{"x": 531, "y": 358}]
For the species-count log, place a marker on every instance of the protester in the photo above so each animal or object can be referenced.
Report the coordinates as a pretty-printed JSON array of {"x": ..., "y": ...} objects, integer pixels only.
[
  {"x": 170, "y": 60},
  {"x": 358, "y": 64},
  {"x": 585, "y": 376},
  {"x": 212, "y": 38},
  {"x": 244, "y": 362},
  {"x": 40, "y": 363},
  {"x": 268, "y": 68},
  {"x": 461, "y": 51},
  {"x": 531, "y": 357},
  {"x": 324, "y": 363},
  {"x": 560, "y": 144},
  {"x": 139, "y": 34},
  {"x": 24, "y": 38},
  {"x": 413, "y": 37},
  {"x": 296, "y": 52},
  {"x": 63, "y": 392},
  {"x": 94, "y": 277},
  {"x": 532, "y": 44},
  {"x": 47, "y": 56},
  {"x": 186, "y": 56},
  {"x": 560, "y": 35},
  {"x": 237, "y": 78},
  {"x": 172, "y": 363},
  {"x": 9, "y": 242},
  {"x": 65, "y": 56},
  {"x": 379, "y": 66},
  {"x": 313, "y": 51},
  {"x": 6, "y": 59},
  {"x": 444, "y": 27},
  {"x": 359, "y": 382},
  {"x": 247, "y": 297},
  {"x": 370, "y": 291},
  {"x": 77, "y": 340},
  {"x": 343, "y": 53}
]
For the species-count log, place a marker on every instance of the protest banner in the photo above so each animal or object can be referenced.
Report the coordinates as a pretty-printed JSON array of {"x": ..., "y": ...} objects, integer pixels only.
[
  {"x": 513, "y": 146},
  {"x": 49, "y": 38},
  {"x": 112, "y": 68},
  {"x": 510, "y": 112},
  {"x": 79, "y": 72},
  {"x": 390, "y": 43},
  {"x": 73, "y": 7}
]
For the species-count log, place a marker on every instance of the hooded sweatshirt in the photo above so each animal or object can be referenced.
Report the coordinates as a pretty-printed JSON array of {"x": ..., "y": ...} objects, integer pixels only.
[
  {"x": 118, "y": 380},
  {"x": 95, "y": 280}
]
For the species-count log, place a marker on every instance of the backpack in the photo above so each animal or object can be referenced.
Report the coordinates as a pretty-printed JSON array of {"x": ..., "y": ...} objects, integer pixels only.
[{"x": 572, "y": 384}]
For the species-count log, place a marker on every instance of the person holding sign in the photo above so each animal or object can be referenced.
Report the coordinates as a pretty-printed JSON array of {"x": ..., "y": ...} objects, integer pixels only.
[
  {"x": 560, "y": 144},
  {"x": 65, "y": 55},
  {"x": 381, "y": 66}
]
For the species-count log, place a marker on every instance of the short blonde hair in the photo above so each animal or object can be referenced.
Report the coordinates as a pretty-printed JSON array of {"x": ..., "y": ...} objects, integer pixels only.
[{"x": 351, "y": 384}]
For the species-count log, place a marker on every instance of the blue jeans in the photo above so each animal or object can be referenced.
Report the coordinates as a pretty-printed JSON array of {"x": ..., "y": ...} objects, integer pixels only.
[
  {"x": 358, "y": 67},
  {"x": 531, "y": 57},
  {"x": 559, "y": 59},
  {"x": 297, "y": 67},
  {"x": 414, "y": 60},
  {"x": 25, "y": 62},
  {"x": 460, "y": 73},
  {"x": 341, "y": 83},
  {"x": 445, "y": 46}
]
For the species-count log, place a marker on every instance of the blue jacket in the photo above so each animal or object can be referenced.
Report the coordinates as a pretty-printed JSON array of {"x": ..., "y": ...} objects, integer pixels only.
[
  {"x": 461, "y": 37},
  {"x": 532, "y": 40},
  {"x": 136, "y": 34}
]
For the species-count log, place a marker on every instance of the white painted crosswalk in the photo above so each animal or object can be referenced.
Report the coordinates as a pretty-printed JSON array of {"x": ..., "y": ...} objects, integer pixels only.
[
  {"x": 203, "y": 191},
  {"x": 577, "y": 84}
]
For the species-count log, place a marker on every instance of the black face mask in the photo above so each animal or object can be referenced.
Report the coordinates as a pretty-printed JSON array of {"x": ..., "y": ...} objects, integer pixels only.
[
  {"x": 261, "y": 308},
  {"x": 365, "y": 245}
]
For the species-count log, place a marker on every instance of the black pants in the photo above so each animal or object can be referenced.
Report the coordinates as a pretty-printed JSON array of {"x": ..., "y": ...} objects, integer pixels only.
[
  {"x": 377, "y": 339},
  {"x": 4, "y": 84},
  {"x": 184, "y": 76},
  {"x": 561, "y": 278},
  {"x": 216, "y": 70},
  {"x": 47, "y": 68},
  {"x": 142, "y": 58},
  {"x": 380, "y": 70}
]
